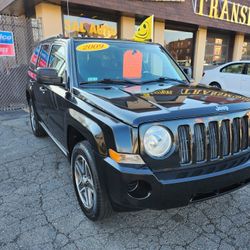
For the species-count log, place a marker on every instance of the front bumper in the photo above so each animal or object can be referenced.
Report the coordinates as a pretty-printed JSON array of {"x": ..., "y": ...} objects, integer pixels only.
[{"x": 168, "y": 190}]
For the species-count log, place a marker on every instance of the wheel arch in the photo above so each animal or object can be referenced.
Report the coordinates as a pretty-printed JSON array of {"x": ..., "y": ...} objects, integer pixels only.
[
  {"x": 215, "y": 83},
  {"x": 79, "y": 128}
]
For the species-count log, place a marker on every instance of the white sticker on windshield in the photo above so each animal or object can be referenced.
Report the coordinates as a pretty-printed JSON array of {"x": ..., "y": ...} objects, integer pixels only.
[{"x": 92, "y": 79}]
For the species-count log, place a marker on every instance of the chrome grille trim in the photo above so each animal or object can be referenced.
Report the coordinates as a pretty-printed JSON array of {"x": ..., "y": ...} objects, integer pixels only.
[
  {"x": 213, "y": 133},
  {"x": 245, "y": 134},
  {"x": 236, "y": 135},
  {"x": 199, "y": 141},
  {"x": 184, "y": 144},
  {"x": 211, "y": 140},
  {"x": 225, "y": 138}
]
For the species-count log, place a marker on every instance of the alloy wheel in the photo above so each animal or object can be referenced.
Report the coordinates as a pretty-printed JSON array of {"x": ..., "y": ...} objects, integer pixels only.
[{"x": 84, "y": 182}]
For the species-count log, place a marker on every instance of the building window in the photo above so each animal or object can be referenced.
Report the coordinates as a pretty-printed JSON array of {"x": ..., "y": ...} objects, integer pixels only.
[
  {"x": 88, "y": 21},
  {"x": 217, "y": 49},
  {"x": 246, "y": 49},
  {"x": 180, "y": 45},
  {"x": 89, "y": 27}
]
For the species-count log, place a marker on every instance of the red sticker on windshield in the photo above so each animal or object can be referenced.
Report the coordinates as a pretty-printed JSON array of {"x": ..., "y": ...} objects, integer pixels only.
[{"x": 132, "y": 64}]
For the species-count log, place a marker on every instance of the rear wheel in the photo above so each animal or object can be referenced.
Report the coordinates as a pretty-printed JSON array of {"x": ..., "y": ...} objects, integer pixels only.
[
  {"x": 90, "y": 190},
  {"x": 215, "y": 84},
  {"x": 37, "y": 129}
]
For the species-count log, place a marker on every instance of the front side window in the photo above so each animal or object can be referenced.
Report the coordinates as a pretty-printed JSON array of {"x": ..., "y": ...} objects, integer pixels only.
[
  {"x": 234, "y": 68},
  {"x": 43, "y": 56},
  {"x": 57, "y": 59},
  {"x": 111, "y": 60},
  {"x": 248, "y": 69}
]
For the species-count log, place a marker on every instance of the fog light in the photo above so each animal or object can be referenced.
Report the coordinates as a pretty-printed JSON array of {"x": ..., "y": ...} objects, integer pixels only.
[{"x": 139, "y": 189}]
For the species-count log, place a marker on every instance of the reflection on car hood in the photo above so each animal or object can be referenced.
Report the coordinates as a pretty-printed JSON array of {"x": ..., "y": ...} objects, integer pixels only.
[{"x": 154, "y": 102}]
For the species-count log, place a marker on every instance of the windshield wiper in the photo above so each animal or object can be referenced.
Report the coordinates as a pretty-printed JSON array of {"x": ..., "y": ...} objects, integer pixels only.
[
  {"x": 164, "y": 79},
  {"x": 110, "y": 81}
]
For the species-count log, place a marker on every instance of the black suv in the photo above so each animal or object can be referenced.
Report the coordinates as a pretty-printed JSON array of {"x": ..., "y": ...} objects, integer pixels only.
[{"x": 137, "y": 133}]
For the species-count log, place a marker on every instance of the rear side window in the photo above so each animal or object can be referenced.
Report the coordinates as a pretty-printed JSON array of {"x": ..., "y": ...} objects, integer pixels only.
[
  {"x": 34, "y": 57},
  {"x": 236, "y": 68},
  {"x": 43, "y": 56},
  {"x": 57, "y": 58}
]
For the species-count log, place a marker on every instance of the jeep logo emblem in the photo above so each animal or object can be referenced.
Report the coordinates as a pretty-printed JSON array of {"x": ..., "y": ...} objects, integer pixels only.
[{"x": 222, "y": 108}]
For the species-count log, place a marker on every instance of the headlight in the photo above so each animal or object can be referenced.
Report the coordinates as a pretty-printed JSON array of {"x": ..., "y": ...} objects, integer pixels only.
[{"x": 157, "y": 141}]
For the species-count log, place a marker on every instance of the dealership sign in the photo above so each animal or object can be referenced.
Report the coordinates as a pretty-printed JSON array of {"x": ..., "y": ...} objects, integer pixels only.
[
  {"x": 226, "y": 10},
  {"x": 7, "y": 47},
  {"x": 88, "y": 27}
]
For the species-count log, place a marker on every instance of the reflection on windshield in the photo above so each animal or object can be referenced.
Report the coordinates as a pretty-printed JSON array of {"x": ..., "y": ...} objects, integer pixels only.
[{"x": 123, "y": 61}]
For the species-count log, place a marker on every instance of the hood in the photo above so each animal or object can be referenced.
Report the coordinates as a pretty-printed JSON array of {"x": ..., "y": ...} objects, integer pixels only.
[{"x": 139, "y": 104}]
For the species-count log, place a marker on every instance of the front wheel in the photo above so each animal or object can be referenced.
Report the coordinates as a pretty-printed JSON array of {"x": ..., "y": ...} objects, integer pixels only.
[
  {"x": 215, "y": 85},
  {"x": 90, "y": 190},
  {"x": 37, "y": 129}
]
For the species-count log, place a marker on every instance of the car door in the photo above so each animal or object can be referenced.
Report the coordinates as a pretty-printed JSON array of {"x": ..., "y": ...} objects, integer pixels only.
[
  {"x": 57, "y": 94},
  {"x": 40, "y": 95},
  {"x": 245, "y": 81},
  {"x": 231, "y": 77}
]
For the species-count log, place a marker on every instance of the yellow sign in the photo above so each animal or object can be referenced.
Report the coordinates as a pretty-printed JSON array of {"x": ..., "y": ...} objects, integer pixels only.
[
  {"x": 87, "y": 27},
  {"x": 223, "y": 10},
  {"x": 92, "y": 46},
  {"x": 145, "y": 31}
]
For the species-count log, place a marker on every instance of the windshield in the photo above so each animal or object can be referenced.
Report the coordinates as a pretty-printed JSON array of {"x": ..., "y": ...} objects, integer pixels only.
[{"x": 107, "y": 60}]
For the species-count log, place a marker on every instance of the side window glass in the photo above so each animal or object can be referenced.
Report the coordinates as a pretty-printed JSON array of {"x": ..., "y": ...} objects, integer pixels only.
[
  {"x": 43, "y": 56},
  {"x": 248, "y": 69},
  {"x": 34, "y": 57},
  {"x": 234, "y": 68},
  {"x": 57, "y": 59}
]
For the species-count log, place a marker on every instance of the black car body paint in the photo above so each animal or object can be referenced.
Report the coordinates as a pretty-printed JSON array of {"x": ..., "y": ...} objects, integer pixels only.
[{"x": 116, "y": 116}]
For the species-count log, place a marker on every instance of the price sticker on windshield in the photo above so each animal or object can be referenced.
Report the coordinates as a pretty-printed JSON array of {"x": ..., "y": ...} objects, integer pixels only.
[
  {"x": 132, "y": 64},
  {"x": 92, "y": 47}
]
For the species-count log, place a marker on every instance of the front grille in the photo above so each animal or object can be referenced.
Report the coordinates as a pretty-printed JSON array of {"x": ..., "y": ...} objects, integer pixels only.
[
  {"x": 225, "y": 137},
  {"x": 199, "y": 141},
  {"x": 212, "y": 140}
]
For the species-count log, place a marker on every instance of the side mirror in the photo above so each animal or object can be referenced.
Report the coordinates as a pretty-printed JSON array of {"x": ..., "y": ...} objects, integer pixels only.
[{"x": 48, "y": 76}]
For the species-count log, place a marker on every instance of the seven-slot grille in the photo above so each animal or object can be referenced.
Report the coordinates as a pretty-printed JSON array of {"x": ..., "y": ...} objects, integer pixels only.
[{"x": 212, "y": 140}]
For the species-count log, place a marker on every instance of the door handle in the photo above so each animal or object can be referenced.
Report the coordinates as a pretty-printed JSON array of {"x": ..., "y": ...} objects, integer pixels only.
[{"x": 42, "y": 89}]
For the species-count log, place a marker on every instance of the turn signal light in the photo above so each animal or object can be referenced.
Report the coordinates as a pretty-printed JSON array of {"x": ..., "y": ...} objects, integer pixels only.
[{"x": 125, "y": 158}]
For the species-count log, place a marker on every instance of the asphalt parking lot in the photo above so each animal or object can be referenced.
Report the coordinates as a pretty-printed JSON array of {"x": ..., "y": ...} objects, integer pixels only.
[{"x": 38, "y": 207}]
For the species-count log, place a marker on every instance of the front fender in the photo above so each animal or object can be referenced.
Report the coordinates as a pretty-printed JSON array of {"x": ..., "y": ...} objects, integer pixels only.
[{"x": 89, "y": 129}]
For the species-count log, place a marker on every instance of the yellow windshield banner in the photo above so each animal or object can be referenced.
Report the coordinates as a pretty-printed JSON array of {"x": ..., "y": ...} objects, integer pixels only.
[
  {"x": 92, "y": 46},
  {"x": 145, "y": 31}
]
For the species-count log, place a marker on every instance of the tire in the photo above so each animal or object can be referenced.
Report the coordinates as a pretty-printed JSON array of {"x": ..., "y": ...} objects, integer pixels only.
[
  {"x": 215, "y": 84},
  {"x": 90, "y": 190},
  {"x": 37, "y": 129}
]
